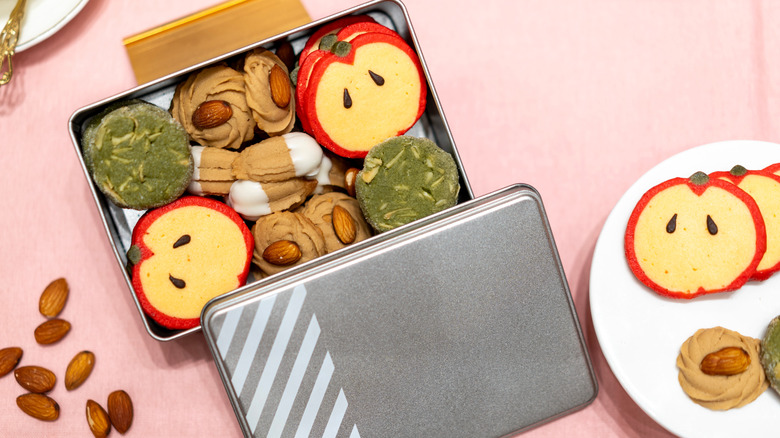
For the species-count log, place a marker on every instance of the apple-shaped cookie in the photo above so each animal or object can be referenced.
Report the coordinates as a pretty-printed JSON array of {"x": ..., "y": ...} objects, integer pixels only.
[
  {"x": 313, "y": 43},
  {"x": 304, "y": 74},
  {"x": 186, "y": 253},
  {"x": 311, "y": 58},
  {"x": 348, "y": 33},
  {"x": 693, "y": 236},
  {"x": 764, "y": 188},
  {"x": 364, "y": 92}
]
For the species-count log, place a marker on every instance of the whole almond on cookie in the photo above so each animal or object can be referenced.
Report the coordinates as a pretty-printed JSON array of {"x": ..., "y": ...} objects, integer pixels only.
[
  {"x": 280, "y": 86},
  {"x": 120, "y": 410},
  {"x": 282, "y": 253},
  {"x": 35, "y": 379},
  {"x": 97, "y": 418},
  {"x": 9, "y": 358},
  {"x": 39, "y": 406},
  {"x": 211, "y": 113},
  {"x": 727, "y": 361},
  {"x": 344, "y": 225},
  {"x": 79, "y": 368},
  {"x": 51, "y": 331},
  {"x": 53, "y": 298}
]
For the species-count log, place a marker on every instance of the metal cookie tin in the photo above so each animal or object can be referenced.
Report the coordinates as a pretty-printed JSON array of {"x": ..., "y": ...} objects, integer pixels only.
[
  {"x": 462, "y": 326},
  {"x": 119, "y": 223}
]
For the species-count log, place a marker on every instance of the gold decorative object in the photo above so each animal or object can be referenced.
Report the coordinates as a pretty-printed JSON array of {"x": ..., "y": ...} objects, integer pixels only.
[{"x": 8, "y": 40}]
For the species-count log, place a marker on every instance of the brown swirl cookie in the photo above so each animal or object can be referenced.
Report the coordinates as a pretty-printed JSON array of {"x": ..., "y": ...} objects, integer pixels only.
[{"x": 215, "y": 84}]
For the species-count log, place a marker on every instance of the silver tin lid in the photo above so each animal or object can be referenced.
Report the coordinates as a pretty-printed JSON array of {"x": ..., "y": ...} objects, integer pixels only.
[{"x": 461, "y": 325}]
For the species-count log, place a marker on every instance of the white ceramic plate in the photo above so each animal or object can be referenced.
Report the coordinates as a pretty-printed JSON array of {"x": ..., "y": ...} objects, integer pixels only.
[
  {"x": 42, "y": 18},
  {"x": 641, "y": 332}
]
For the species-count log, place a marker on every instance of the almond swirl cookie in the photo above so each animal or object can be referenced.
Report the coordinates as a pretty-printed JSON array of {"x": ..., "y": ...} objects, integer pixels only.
[
  {"x": 232, "y": 126},
  {"x": 269, "y": 92},
  {"x": 320, "y": 210},
  {"x": 293, "y": 229},
  {"x": 721, "y": 384}
]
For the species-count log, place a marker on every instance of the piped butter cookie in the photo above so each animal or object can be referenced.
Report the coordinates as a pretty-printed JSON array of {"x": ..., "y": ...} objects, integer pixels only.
[
  {"x": 186, "y": 253},
  {"x": 138, "y": 155},
  {"x": 404, "y": 179},
  {"x": 285, "y": 239},
  {"x": 720, "y": 369},
  {"x": 269, "y": 92},
  {"x": 339, "y": 218},
  {"x": 276, "y": 159},
  {"x": 211, "y": 105},
  {"x": 252, "y": 199},
  {"x": 213, "y": 173},
  {"x": 692, "y": 236}
]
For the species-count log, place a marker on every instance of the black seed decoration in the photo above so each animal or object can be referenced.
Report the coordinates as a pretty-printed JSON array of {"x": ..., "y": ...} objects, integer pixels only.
[
  {"x": 347, "y": 99},
  {"x": 379, "y": 80},
  {"x": 183, "y": 240},
  {"x": 672, "y": 225},
  {"x": 711, "y": 227},
  {"x": 179, "y": 283}
]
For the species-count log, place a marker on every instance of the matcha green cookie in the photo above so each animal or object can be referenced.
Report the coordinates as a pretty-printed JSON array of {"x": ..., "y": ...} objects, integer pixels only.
[
  {"x": 138, "y": 155},
  {"x": 770, "y": 353},
  {"x": 404, "y": 179}
]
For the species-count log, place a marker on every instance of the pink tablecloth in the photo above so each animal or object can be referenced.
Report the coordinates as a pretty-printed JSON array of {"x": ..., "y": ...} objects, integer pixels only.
[{"x": 575, "y": 98}]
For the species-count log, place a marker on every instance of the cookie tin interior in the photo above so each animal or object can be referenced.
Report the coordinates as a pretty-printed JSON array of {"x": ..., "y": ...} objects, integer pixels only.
[
  {"x": 461, "y": 326},
  {"x": 119, "y": 222}
]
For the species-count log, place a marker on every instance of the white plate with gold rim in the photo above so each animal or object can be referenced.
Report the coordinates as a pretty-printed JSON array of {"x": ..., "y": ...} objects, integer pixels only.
[
  {"x": 640, "y": 332},
  {"x": 42, "y": 18}
]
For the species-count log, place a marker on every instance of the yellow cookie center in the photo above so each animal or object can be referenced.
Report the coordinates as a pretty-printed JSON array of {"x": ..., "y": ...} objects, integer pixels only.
[
  {"x": 692, "y": 256},
  {"x": 377, "y": 112},
  {"x": 766, "y": 191},
  {"x": 179, "y": 281}
]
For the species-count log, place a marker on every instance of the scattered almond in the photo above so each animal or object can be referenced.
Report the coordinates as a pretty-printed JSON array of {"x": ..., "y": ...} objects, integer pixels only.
[
  {"x": 39, "y": 406},
  {"x": 53, "y": 298},
  {"x": 97, "y": 418},
  {"x": 79, "y": 368},
  {"x": 211, "y": 113},
  {"x": 9, "y": 358},
  {"x": 35, "y": 379},
  {"x": 350, "y": 176},
  {"x": 51, "y": 331},
  {"x": 344, "y": 225},
  {"x": 280, "y": 86},
  {"x": 120, "y": 410},
  {"x": 282, "y": 253},
  {"x": 725, "y": 362}
]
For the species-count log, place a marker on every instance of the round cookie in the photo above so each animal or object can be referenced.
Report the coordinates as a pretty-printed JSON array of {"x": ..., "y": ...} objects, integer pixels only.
[
  {"x": 361, "y": 92},
  {"x": 764, "y": 188},
  {"x": 319, "y": 209},
  {"x": 770, "y": 353},
  {"x": 138, "y": 155},
  {"x": 186, "y": 253},
  {"x": 291, "y": 227},
  {"x": 688, "y": 237},
  {"x": 217, "y": 84},
  {"x": 720, "y": 389},
  {"x": 404, "y": 179}
]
